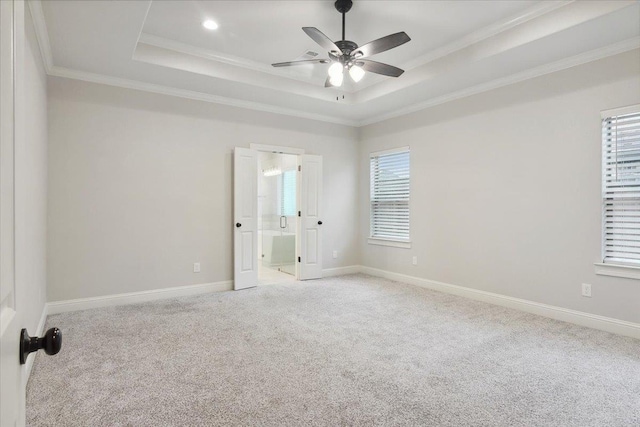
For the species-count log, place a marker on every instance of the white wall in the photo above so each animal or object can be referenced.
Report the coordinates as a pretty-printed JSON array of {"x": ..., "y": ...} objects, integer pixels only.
[
  {"x": 140, "y": 187},
  {"x": 505, "y": 189},
  {"x": 31, "y": 182}
]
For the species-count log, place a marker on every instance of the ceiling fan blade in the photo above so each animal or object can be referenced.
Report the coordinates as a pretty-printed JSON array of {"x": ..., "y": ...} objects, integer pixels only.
[
  {"x": 321, "y": 39},
  {"x": 303, "y": 62},
  {"x": 379, "y": 68},
  {"x": 383, "y": 44}
]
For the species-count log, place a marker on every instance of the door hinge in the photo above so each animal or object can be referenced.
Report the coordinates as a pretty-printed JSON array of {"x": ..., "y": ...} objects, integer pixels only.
[
  {"x": 299, "y": 168},
  {"x": 299, "y": 259},
  {"x": 299, "y": 214}
]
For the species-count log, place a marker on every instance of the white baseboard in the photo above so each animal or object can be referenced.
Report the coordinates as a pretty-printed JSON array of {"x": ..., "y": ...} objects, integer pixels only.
[
  {"x": 607, "y": 324},
  {"x": 594, "y": 321},
  {"x": 341, "y": 271},
  {"x": 56, "y": 307},
  {"x": 38, "y": 333}
]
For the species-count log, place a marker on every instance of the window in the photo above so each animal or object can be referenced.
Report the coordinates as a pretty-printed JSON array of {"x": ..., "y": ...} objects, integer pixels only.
[
  {"x": 389, "y": 181},
  {"x": 621, "y": 186},
  {"x": 288, "y": 193}
]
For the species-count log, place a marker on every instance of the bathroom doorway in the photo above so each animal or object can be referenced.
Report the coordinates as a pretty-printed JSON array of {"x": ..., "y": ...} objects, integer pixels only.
[
  {"x": 277, "y": 208},
  {"x": 277, "y": 217}
]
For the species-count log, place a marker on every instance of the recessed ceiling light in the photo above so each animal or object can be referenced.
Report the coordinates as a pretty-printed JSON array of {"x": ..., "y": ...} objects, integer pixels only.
[{"x": 210, "y": 24}]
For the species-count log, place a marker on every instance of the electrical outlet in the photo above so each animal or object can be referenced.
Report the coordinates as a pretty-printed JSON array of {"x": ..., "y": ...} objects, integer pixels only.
[
  {"x": 586, "y": 290},
  {"x": 196, "y": 267},
  {"x": 415, "y": 260},
  {"x": 335, "y": 254}
]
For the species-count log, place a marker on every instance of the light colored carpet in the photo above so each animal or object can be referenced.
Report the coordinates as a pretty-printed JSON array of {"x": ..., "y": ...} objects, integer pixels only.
[{"x": 351, "y": 350}]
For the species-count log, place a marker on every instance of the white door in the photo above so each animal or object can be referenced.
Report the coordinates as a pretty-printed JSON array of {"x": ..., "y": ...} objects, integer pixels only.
[
  {"x": 245, "y": 211},
  {"x": 310, "y": 224},
  {"x": 11, "y": 391}
]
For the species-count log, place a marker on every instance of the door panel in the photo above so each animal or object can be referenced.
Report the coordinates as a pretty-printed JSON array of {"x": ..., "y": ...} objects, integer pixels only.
[
  {"x": 310, "y": 229},
  {"x": 12, "y": 398},
  {"x": 247, "y": 251},
  {"x": 245, "y": 196},
  {"x": 311, "y": 199}
]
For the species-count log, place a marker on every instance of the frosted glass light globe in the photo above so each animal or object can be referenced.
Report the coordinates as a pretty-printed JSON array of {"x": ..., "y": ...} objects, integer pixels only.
[
  {"x": 335, "y": 69},
  {"x": 336, "y": 80},
  {"x": 356, "y": 73}
]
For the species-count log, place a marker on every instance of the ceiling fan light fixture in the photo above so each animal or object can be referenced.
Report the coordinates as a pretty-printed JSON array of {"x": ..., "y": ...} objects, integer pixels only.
[
  {"x": 356, "y": 73},
  {"x": 336, "y": 80},
  {"x": 347, "y": 54},
  {"x": 336, "y": 70}
]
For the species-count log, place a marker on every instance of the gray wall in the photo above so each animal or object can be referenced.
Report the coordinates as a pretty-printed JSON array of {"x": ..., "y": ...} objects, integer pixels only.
[
  {"x": 31, "y": 182},
  {"x": 140, "y": 187},
  {"x": 506, "y": 190}
]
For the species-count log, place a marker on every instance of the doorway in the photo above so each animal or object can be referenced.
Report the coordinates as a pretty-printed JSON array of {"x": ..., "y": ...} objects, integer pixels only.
[
  {"x": 290, "y": 214},
  {"x": 277, "y": 216}
]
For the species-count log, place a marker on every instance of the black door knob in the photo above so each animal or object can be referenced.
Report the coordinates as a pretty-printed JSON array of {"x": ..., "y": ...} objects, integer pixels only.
[
  {"x": 238, "y": 225},
  {"x": 319, "y": 222},
  {"x": 51, "y": 343}
]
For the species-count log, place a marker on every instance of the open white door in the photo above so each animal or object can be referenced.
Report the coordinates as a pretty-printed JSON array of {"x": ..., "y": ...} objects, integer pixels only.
[
  {"x": 310, "y": 224},
  {"x": 12, "y": 398},
  {"x": 245, "y": 211}
]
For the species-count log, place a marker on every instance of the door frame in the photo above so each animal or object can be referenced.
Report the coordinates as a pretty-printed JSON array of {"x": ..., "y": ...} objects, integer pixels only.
[{"x": 277, "y": 149}]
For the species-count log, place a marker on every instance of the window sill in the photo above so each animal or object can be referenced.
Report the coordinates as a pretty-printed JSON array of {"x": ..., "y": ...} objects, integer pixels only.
[
  {"x": 617, "y": 270},
  {"x": 392, "y": 243}
]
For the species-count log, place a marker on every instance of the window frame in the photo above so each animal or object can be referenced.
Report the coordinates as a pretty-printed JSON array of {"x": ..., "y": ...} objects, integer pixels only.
[
  {"x": 603, "y": 267},
  {"x": 386, "y": 241}
]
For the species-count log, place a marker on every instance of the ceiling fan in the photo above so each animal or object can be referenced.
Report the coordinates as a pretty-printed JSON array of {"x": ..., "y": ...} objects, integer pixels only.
[{"x": 347, "y": 55}]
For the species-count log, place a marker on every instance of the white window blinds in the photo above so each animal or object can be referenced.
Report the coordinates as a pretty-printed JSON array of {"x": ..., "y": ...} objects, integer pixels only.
[
  {"x": 621, "y": 188},
  {"x": 390, "y": 195}
]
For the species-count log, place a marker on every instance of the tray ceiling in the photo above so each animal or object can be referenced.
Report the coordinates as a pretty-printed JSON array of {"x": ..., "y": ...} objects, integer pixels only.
[{"x": 457, "y": 48}]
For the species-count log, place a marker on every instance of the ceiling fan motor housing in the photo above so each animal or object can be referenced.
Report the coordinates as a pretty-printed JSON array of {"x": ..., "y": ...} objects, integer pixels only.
[{"x": 346, "y": 46}]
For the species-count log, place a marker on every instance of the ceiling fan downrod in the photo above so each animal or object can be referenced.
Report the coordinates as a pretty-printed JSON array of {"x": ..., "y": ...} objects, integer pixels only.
[
  {"x": 343, "y": 6},
  {"x": 346, "y": 46}
]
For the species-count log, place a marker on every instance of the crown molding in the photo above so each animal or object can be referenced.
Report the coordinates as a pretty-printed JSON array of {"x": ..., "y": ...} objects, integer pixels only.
[
  {"x": 181, "y": 62},
  {"x": 462, "y": 43},
  {"x": 594, "y": 55},
  {"x": 205, "y": 53},
  {"x": 42, "y": 34},
  {"x": 189, "y": 94},
  {"x": 477, "y": 36},
  {"x": 563, "y": 64},
  {"x": 223, "y": 58},
  {"x": 141, "y": 30},
  {"x": 484, "y": 33},
  {"x": 35, "y": 7}
]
